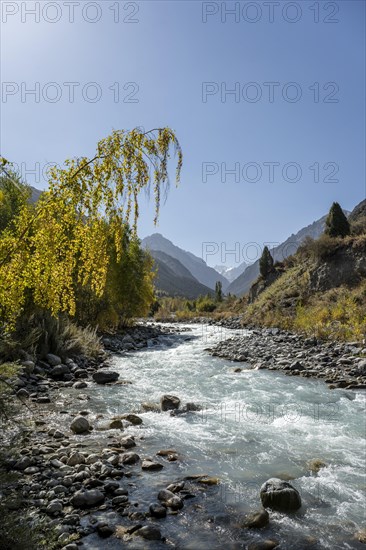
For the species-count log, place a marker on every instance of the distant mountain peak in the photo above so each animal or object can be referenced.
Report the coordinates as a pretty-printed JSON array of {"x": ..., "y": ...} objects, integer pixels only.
[{"x": 206, "y": 275}]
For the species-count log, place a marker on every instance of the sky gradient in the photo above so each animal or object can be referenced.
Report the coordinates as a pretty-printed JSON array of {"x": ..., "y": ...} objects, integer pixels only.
[{"x": 292, "y": 132}]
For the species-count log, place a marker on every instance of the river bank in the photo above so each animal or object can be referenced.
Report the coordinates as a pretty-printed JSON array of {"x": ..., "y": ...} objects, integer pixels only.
[{"x": 340, "y": 365}]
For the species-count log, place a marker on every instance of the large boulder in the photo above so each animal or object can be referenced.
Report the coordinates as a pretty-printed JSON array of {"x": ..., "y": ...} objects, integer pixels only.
[
  {"x": 84, "y": 499},
  {"x": 280, "y": 495},
  {"x": 105, "y": 377},
  {"x": 169, "y": 402},
  {"x": 80, "y": 425}
]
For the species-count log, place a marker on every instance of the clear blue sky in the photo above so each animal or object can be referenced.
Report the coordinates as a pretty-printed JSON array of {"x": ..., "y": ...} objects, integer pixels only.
[{"x": 169, "y": 52}]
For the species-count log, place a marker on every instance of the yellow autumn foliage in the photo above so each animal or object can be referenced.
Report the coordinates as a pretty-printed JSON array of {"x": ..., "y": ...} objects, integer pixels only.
[{"x": 63, "y": 243}]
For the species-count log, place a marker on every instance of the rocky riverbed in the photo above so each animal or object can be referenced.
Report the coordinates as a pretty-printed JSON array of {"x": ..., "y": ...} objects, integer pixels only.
[
  {"x": 340, "y": 365},
  {"x": 98, "y": 482},
  {"x": 75, "y": 473}
]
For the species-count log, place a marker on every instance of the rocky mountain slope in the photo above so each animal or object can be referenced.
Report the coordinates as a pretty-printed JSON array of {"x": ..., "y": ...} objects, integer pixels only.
[
  {"x": 196, "y": 266},
  {"x": 174, "y": 279}
]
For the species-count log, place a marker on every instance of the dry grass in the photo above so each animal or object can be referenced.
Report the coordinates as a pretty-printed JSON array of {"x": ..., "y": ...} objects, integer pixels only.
[{"x": 41, "y": 333}]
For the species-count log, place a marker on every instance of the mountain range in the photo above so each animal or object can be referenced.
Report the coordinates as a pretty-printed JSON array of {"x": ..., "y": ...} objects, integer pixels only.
[
  {"x": 173, "y": 280},
  {"x": 204, "y": 274}
]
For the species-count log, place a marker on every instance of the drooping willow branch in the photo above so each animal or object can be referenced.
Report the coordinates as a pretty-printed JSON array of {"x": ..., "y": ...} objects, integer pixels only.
[{"x": 161, "y": 175}]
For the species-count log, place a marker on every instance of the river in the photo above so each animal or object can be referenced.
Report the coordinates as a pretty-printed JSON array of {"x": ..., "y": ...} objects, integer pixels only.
[{"x": 253, "y": 425}]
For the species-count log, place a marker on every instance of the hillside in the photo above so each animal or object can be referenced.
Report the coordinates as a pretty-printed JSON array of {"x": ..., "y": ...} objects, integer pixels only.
[
  {"x": 173, "y": 279},
  {"x": 320, "y": 290},
  {"x": 196, "y": 266},
  {"x": 242, "y": 284}
]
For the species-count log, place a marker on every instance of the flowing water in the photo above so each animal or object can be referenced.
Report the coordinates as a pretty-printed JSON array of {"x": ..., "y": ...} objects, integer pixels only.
[{"x": 253, "y": 425}]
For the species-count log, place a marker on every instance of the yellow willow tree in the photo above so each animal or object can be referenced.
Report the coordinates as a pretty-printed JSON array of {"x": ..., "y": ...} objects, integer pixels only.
[{"x": 62, "y": 243}]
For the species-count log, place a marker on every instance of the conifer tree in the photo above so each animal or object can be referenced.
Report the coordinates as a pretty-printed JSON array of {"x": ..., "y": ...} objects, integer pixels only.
[
  {"x": 336, "y": 224},
  {"x": 266, "y": 262}
]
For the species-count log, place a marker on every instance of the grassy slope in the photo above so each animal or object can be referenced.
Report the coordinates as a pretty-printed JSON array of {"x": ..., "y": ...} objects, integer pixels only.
[{"x": 289, "y": 303}]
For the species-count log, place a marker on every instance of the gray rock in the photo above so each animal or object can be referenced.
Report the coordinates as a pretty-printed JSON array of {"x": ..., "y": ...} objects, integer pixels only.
[
  {"x": 105, "y": 377},
  {"x": 22, "y": 393},
  {"x": 130, "y": 458},
  {"x": 76, "y": 458},
  {"x": 157, "y": 510},
  {"x": 56, "y": 463},
  {"x": 128, "y": 442},
  {"x": 150, "y": 407},
  {"x": 104, "y": 530},
  {"x": 54, "y": 507},
  {"x": 169, "y": 402},
  {"x": 133, "y": 418},
  {"x": 149, "y": 532},
  {"x": 28, "y": 366},
  {"x": 53, "y": 360},
  {"x": 256, "y": 520},
  {"x": 59, "y": 371},
  {"x": 116, "y": 424},
  {"x": 263, "y": 545},
  {"x": 170, "y": 499},
  {"x": 59, "y": 489},
  {"x": 80, "y": 425},
  {"x": 193, "y": 407},
  {"x": 120, "y": 500},
  {"x": 296, "y": 365},
  {"x": 361, "y": 367},
  {"x": 23, "y": 463},
  {"x": 43, "y": 399},
  {"x": 150, "y": 465},
  {"x": 176, "y": 487},
  {"x": 80, "y": 385},
  {"x": 280, "y": 495},
  {"x": 85, "y": 499}
]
